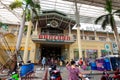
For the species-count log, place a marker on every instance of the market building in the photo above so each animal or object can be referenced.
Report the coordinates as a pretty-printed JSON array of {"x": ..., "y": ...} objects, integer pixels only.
[{"x": 55, "y": 37}]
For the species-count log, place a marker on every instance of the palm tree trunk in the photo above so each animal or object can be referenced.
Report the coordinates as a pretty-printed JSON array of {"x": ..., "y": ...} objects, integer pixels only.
[
  {"x": 25, "y": 57},
  {"x": 20, "y": 33},
  {"x": 78, "y": 30},
  {"x": 117, "y": 38}
]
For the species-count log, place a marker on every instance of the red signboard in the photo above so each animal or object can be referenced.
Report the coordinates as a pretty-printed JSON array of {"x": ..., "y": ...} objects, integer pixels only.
[{"x": 54, "y": 37}]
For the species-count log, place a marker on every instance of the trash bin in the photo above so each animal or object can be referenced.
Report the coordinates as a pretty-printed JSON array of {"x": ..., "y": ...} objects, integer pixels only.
[
  {"x": 107, "y": 65},
  {"x": 93, "y": 66},
  {"x": 26, "y": 68},
  {"x": 114, "y": 63}
]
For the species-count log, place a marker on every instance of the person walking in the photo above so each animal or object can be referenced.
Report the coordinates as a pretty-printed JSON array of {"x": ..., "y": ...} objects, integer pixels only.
[
  {"x": 43, "y": 63},
  {"x": 74, "y": 72}
]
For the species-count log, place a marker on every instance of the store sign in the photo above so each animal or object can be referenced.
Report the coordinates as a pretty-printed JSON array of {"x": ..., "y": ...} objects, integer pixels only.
[
  {"x": 54, "y": 37},
  {"x": 114, "y": 47},
  {"x": 107, "y": 47}
]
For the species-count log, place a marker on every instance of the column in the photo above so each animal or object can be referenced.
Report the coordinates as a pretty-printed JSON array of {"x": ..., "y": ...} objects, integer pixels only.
[
  {"x": 96, "y": 37},
  {"x": 36, "y": 28},
  {"x": 33, "y": 52},
  {"x": 108, "y": 39},
  {"x": 25, "y": 55}
]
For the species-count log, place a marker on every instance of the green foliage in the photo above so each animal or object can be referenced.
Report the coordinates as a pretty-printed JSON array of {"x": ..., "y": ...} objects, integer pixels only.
[
  {"x": 16, "y": 4},
  {"x": 99, "y": 19},
  {"x": 108, "y": 6},
  {"x": 26, "y": 28},
  {"x": 3, "y": 26},
  {"x": 108, "y": 19},
  {"x": 29, "y": 7}
]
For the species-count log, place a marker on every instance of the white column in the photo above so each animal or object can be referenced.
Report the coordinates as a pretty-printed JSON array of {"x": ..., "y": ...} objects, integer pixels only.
[
  {"x": 69, "y": 29},
  {"x": 36, "y": 28}
]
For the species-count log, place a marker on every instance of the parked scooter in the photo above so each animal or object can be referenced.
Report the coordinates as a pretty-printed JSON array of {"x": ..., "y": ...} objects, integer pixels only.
[
  {"x": 54, "y": 73},
  {"x": 116, "y": 75},
  {"x": 14, "y": 76},
  {"x": 86, "y": 77},
  {"x": 106, "y": 76}
]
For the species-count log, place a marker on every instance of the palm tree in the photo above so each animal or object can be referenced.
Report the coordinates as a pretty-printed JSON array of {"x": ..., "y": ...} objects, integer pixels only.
[
  {"x": 108, "y": 19},
  {"x": 30, "y": 10}
]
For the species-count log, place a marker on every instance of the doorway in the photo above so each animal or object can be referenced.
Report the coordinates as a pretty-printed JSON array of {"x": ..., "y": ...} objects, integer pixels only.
[{"x": 51, "y": 51}]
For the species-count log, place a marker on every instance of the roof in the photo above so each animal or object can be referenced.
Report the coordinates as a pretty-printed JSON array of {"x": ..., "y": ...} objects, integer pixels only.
[
  {"x": 63, "y": 22},
  {"x": 98, "y": 3},
  {"x": 89, "y": 10}
]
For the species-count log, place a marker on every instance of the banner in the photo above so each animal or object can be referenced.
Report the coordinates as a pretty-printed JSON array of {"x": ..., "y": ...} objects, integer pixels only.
[{"x": 54, "y": 37}]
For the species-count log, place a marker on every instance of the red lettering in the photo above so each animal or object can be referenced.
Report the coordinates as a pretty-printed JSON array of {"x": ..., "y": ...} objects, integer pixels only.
[
  {"x": 63, "y": 38},
  {"x": 59, "y": 37},
  {"x": 54, "y": 37},
  {"x": 40, "y": 36},
  {"x": 45, "y": 36},
  {"x": 68, "y": 37}
]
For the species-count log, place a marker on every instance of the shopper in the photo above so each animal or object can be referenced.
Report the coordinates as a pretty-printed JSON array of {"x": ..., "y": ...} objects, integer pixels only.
[
  {"x": 43, "y": 63},
  {"x": 80, "y": 62},
  {"x": 74, "y": 72}
]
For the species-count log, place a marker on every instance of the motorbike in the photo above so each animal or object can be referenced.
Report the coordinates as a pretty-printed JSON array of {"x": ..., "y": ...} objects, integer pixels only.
[
  {"x": 86, "y": 77},
  {"x": 14, "y": 76},
  {"x": 106, "y": 76},
  {"x": 116, "y": 75},
  {"x": 54, "y": 73}
]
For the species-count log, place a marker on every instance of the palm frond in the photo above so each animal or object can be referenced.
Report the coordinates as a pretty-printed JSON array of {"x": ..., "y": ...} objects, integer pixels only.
[
  {"x": 99, "y": 19},
  {"x": 28, "y": 1},
  {"x": 1, "y": 24},
  {"x": 28, "y": 14},
  {"x": 15, "y": 4},
  {"x": 108, "y": 6},
  {"x": 36, "y": 8},
  {"x": 104, "y": 24},
  {"x": 112, "y": 22},
  {"x": 117, "y": 11}
]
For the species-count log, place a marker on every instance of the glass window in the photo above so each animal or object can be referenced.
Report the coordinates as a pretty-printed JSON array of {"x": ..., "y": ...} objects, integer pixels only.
[
  {"x": 81, "y": 37},
  {"x": 91, "y": 38},
  {"x": 91, "y": 53},
  {"x": 112, "y": 39},
  {"x": 85, "y": 37},
  {"x": 102, "y": 38},
  {"x": 74, "y": 36},
  {"x": 76, "y": 55}
]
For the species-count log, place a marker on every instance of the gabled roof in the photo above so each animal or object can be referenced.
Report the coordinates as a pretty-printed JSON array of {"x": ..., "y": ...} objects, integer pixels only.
[{"x": 63, "y": 21}]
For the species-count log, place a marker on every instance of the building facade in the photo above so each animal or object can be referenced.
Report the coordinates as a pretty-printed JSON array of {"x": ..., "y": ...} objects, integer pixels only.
[{"x": 53, "y": 37}]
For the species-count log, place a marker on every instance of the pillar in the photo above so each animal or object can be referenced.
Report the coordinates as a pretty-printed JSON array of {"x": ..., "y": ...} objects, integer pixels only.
[{"x": 25, "y": 55}]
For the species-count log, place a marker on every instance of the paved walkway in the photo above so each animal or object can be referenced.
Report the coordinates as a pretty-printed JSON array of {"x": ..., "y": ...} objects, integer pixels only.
[
  {"x": 41, "y": 74},
  {"x": 64, "y": 73}
]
